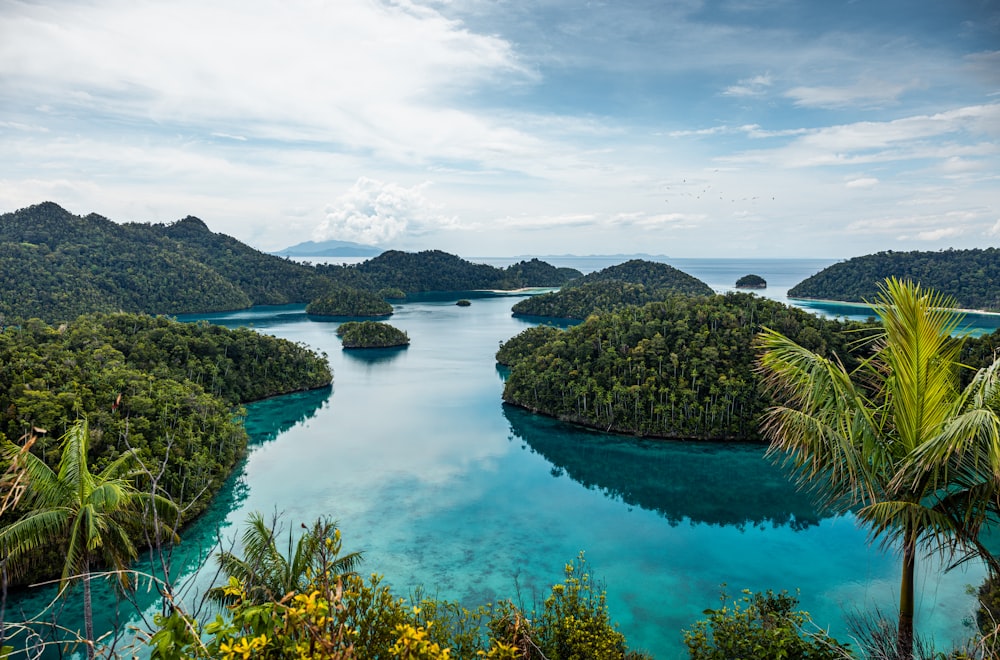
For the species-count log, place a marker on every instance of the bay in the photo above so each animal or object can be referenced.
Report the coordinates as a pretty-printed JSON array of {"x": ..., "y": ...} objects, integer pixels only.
[{"x": 443, "y": 486}]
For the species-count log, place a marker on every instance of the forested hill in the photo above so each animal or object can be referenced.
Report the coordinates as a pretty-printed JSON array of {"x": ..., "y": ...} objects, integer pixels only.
[
  {"x": 58, "y": 265},
  {"x": 971, "y": 277},
  {"x": 434, "y": 270},
  {"x": 634, "y": 282}
]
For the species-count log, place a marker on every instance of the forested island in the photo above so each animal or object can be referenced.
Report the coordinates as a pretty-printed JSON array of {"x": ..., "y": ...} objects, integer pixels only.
[
  {"x": 679, "y": 368},
  {"x": 751, "y": 281},
  {"x": 371, "y": 334},
  {"x": 971, "y": 277},
  {"x": 343, "y": 301},
  {"x": 170, "y": 390},
  {"x": 634, "y": 282},
  {"x": 58, "y": 266}
]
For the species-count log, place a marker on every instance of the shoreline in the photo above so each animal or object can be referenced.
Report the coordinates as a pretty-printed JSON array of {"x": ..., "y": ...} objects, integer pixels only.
[{"x": 960, "y": 310}]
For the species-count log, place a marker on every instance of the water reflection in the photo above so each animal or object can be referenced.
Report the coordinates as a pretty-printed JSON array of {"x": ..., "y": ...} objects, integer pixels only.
[
  {"x": 372, "y": 356},
  {"x": 713, "y": 483},
  {"x": 274, "y": 416}
]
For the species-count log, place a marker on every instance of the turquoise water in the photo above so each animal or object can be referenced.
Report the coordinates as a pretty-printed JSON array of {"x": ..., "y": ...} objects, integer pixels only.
[{"x": 443, "y": 486}]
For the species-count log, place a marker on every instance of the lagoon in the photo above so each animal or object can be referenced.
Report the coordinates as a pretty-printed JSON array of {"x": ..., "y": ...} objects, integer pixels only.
[{"x": 443, "y": 486}]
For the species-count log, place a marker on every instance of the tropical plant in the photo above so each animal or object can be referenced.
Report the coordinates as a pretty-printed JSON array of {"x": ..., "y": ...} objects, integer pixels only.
[
  {"x": 265, "y": 573},
  {"x": 89, "y": 515},
  {"x": 899, "y": 442},
  {"x": 760, "y": 625}
]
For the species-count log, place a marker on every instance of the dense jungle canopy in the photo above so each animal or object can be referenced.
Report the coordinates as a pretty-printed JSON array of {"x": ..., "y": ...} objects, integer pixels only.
[
  {"x": 971, "y": 277},
  {"x": 58, "y": 266}
]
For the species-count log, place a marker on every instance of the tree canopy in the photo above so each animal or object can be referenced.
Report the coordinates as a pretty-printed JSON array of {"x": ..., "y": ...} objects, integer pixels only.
[
  {"x": 683, "y": 367},
  {"x": 634, "y": 282},
  {"x": 970, "y": 277},
  {"x": 371, "y": 334}
]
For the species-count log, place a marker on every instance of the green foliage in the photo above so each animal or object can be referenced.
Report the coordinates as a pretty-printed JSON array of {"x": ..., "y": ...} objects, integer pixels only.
[
  {"x": 751, "y": 282},
  {"x": 680, "y": 368},
  {"x": 634, "y": 282},
  {"x": 371, "y": 334},
  {"x": 760, "y": 625},
  {"x": 327, "y": 613},
  {"x": 90, "y": 517},
  {"x": 463, "y": 302},
  {"x": 266, "y": 573},
  {"x": 574, "y": 623},
  {"x": 344, "y": 301},
  {"x": 58, "y": 266},
  {"x": 392, "y": 293},
  {"x": 971, "y": 277},
  {"x": 899, "y": 443},
  {"x": 167, "y": 390},
  {"x": 433, "y": 270}
]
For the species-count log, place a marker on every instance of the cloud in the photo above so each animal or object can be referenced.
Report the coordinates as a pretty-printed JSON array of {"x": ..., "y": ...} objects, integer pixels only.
[
  {"x": 865, "y": 93},
  {"x": 863, "y": 182},
  {"x": 907, "y": 138},
  {"x": 375, "y": 212},
  {"x": 754, "y": 86},
  {"x": 995, "y": 229},
  {"x": 939, "y": 233}
]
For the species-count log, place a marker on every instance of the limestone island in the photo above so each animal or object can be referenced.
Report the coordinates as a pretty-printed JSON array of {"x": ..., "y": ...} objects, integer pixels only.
[
  {"x": 751, "y": 282},
  {"x": 371, "y": 334},
  {"x": 463, "y": 302}
]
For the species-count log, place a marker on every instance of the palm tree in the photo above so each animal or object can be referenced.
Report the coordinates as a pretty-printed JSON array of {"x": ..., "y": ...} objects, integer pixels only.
[
  {"x": 267, "y": 574},
  {"x": 88, "y": 515},
  {"x": 899, "y": 442}
]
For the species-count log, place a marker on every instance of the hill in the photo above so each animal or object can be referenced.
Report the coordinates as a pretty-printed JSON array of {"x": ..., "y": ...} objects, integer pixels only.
[
  {"x": 434, "y": 270},
  {"x": 634, "y": 282},
  {"x": 971, "y": 277},
  {"x": 58, "y": 265}
]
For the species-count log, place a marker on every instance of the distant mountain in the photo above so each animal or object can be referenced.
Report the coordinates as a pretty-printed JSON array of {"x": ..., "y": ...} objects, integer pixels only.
[{"x": 329, "y": 249}]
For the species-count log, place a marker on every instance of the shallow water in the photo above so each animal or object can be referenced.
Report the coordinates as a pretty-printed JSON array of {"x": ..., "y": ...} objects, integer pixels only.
[{"x": 443, "y": 486}]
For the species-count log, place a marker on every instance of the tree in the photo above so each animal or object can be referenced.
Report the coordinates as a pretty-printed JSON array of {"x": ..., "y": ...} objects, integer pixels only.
[
  {"x": 264, "y": 573},
  {"x": 916, "y": 457},
  {"x": 89, "y": 515}
]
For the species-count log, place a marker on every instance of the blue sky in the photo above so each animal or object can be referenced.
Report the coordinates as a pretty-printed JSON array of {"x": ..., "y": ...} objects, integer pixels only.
[{"x": 689, "y": 128}]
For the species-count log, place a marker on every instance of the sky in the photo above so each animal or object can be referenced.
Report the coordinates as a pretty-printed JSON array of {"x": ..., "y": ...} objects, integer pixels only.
[{"x": 687, "y": 128}]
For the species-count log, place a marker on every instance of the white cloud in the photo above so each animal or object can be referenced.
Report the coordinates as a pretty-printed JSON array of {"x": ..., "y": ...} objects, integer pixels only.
[
  {"x": 995, "y": 229},
  {"x": 939, "y": 233},
  {"x": 375, "y": 212},
  {"x": 754, "y": 86},
  {"x": 862, "y": 182},
  {"x": 867, "y": 92}
]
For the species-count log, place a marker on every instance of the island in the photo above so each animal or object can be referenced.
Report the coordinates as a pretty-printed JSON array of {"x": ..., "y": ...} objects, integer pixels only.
[
  {"x": 464, "y": 302},
  {"x": 347, "y": 301},
  {"x": 371, "y": 334},
  {"x": 970, "y": 277},
  {"x": 751, "y": 281}
]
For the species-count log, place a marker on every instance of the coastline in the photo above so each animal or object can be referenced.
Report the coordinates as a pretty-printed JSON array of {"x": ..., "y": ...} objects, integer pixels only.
[{"x": 825, "y": 301}]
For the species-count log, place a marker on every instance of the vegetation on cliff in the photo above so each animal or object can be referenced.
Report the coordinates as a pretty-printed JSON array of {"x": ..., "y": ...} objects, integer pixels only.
[
  {"x": 971, "y": 277},
  {"x": 371, "y": 334}
]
